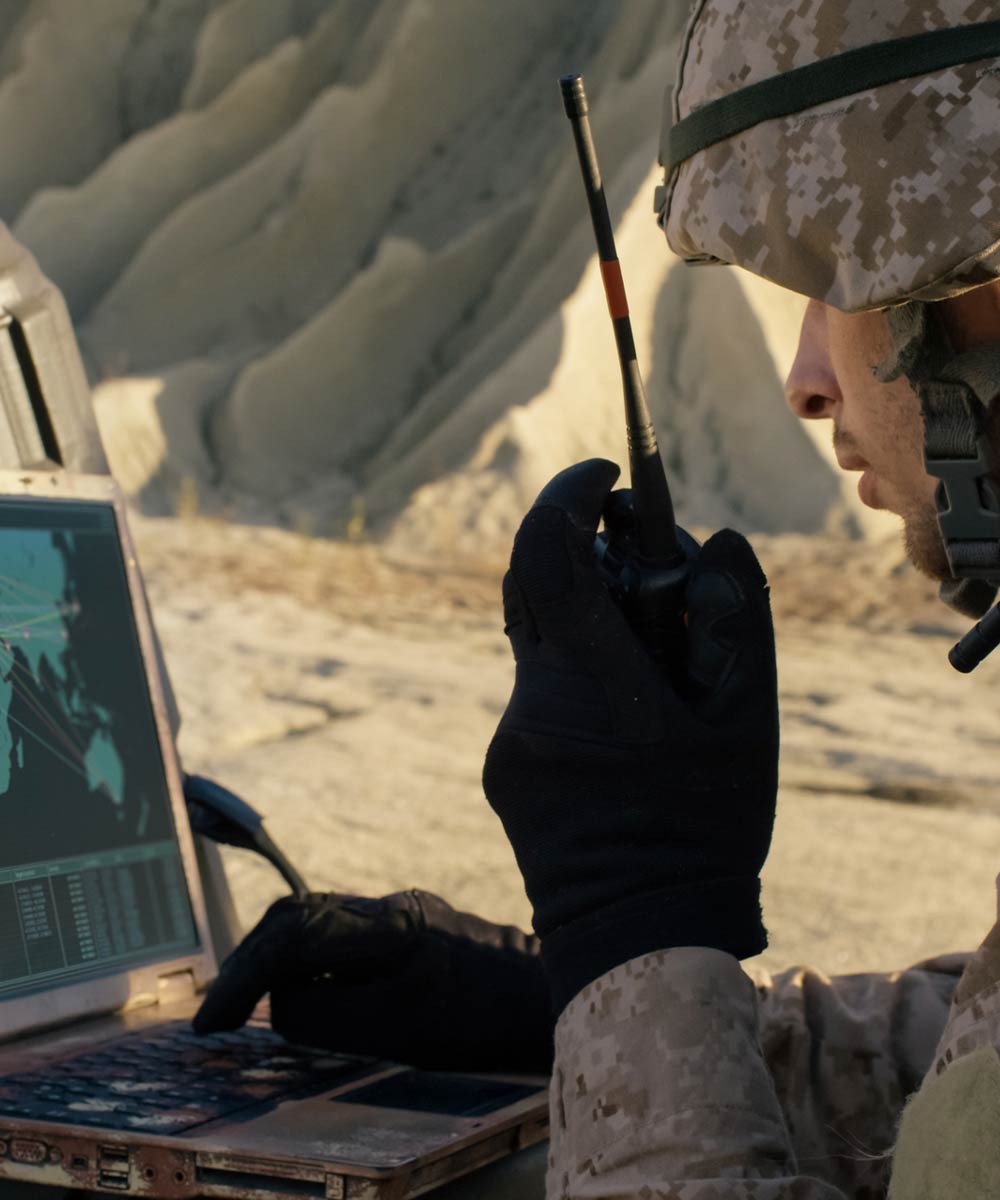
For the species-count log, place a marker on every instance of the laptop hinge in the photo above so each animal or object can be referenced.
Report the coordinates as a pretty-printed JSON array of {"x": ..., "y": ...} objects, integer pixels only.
[{"x": 175, "y": 985}]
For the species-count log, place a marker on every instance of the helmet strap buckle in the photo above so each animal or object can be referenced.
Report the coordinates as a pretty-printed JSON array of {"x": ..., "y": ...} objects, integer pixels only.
[
  {"x": 968, "y": 508},
  {"x": 955, "y": 393}
]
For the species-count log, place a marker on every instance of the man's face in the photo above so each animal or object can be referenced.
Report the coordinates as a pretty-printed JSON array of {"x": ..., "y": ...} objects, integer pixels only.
[{"x": 877, "y": 427}]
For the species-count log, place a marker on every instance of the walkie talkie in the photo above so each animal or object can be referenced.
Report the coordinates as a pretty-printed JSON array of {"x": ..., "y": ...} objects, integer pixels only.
[{"x": 642, "y": 555}]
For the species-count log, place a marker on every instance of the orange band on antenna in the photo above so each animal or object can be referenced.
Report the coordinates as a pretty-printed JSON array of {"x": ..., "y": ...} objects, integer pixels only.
[{"x": 614, "y": 288}]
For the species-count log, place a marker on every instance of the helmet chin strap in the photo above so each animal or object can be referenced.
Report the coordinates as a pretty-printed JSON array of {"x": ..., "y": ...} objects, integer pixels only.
[{"x": 955, "y": 393}]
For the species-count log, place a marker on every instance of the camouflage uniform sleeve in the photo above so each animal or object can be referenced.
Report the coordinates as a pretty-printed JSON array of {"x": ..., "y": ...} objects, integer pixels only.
[
  {"x": 677, "y": 1075},
  {"x": 974, "y": 1018}
]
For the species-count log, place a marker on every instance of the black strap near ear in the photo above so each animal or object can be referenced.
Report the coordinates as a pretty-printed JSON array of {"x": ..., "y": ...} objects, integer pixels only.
[
  {"x": 959, "y": 454},
  {"x": 831, "y": 79},
  {"x": 955, "y": 393}
]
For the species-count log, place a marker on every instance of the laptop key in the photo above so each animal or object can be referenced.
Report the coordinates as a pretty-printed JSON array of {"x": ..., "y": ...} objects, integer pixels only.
[
  {"x": 172, "y": 1080},
  {"x": 33, "y": 1108},
  {"x": 161, "y": 1122}
]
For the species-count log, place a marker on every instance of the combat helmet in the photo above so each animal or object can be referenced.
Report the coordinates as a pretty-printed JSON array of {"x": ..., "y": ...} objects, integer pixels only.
[{"x": 848, "y": 151}]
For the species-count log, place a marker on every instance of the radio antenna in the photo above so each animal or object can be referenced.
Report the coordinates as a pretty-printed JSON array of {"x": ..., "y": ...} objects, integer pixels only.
[{"x": 656, "y": 528}]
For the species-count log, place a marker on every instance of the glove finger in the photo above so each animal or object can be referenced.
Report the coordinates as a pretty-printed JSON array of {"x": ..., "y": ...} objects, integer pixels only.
[
  {"x": 372, "y": 1019},
  {"x": 323, "y": 1014},
  {"x": 553, "y": 563},
  {"x": 581, "y": 491},
  {"x": 730, "y": 631},
  {"x": 619, "y": 515},
  {"x": 264, "y": 955}
]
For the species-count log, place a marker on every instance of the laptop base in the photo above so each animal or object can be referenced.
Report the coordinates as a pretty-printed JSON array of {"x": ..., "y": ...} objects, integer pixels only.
[{"x": 268, "y": 1122}]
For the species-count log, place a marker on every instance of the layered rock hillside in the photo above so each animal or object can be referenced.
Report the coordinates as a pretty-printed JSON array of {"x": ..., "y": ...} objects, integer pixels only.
[{"x": 331, "y": 264}]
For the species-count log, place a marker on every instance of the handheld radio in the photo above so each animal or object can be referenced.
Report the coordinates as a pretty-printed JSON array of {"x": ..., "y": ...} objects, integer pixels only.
[{"x": 642, "y": 554}]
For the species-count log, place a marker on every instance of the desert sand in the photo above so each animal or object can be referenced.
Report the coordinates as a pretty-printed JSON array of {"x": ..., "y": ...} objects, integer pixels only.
[{"x": 352, "y": 701}]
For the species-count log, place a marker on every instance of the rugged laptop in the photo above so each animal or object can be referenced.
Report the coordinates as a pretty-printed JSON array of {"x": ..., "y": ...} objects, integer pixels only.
[{"x": 103, "y": 933}]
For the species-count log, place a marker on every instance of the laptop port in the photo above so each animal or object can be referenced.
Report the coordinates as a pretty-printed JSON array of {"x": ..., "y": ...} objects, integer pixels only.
[
  {"x": 251, "y": 1181},
  {"x": 111, "y": 1179},
  {"x": 113, "y": 1167},
  {"x": 28, "y": 1150}
]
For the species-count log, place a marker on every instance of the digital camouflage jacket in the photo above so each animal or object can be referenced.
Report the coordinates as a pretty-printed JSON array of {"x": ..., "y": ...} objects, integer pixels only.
[{"x": 680, "y": 1076}]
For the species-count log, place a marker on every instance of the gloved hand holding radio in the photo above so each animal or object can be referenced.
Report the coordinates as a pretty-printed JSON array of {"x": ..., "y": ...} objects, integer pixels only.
[
  {"x": 405, "y": 977},
  {"x": 640, "y": 807}
]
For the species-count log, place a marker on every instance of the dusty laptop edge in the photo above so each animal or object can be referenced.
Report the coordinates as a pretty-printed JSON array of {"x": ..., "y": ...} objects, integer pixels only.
[
  {"x": 350, "y": 1141},
  {"x": 169, "y": 979}
]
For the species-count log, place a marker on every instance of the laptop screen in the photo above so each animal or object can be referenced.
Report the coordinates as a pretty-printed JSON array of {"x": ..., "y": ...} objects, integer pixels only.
[{"x": 91, "y": 880}]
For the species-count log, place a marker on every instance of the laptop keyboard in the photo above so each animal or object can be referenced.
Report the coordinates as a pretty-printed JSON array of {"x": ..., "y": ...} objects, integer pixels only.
[{"x": 168, "y": 1079}]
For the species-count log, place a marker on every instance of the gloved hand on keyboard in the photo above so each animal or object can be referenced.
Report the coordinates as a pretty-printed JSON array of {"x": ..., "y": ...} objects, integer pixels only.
[{"x": 405, "y": 977}]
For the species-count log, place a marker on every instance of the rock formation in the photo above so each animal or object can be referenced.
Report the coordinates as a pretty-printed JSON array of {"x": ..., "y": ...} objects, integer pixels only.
[{"x": 330, "y": 260}]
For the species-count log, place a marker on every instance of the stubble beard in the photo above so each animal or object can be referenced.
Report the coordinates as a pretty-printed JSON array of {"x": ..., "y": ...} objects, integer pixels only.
[{"x": 924, "y": 544}]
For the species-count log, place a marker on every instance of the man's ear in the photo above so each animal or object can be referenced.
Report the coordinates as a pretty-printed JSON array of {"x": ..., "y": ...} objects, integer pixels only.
[{"x": 907, "y": 329}]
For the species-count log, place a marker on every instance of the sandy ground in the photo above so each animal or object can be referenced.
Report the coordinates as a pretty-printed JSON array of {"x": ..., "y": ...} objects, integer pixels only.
[{"x": 352, "y": 700}]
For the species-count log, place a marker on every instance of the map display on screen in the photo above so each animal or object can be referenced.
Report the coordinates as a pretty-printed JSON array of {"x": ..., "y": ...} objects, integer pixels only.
[{"x": 90, "y": 871}]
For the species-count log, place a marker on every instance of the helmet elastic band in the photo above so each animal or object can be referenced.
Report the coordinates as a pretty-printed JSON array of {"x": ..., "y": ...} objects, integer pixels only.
[{"x": 829, "y": 79}]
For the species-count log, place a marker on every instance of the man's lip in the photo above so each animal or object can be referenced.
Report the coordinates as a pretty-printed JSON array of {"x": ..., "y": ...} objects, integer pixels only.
[
  {"x": 852, "y": 464},
  {"x": 867, "y": 492}
]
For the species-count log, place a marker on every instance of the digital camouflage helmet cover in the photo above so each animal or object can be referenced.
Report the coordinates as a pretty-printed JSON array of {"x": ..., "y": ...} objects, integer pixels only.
[{"x": 848, "y": 151}]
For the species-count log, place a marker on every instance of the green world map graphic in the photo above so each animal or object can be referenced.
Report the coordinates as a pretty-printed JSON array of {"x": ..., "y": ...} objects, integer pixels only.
[{"x": 34, "y": 664}]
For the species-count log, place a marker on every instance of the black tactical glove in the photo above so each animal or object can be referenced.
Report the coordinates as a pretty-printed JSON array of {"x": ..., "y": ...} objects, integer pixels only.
[
  {"x": 405, "y": 978},
  {"x": 640, "y": 810}
]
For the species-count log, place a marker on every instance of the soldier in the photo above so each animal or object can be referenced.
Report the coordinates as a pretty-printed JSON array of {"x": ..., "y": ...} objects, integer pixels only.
[{"x": 846, "y": 151}]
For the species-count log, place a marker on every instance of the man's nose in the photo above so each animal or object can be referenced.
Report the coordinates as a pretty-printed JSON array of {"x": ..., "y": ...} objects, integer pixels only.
[{"x": 811, "y": 389}]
